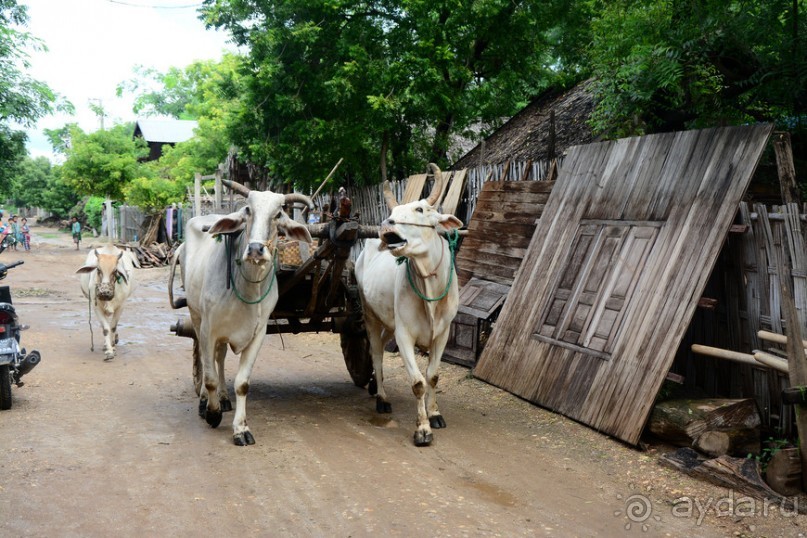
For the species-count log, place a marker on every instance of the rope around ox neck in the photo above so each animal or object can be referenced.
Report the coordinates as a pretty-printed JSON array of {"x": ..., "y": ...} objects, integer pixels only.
[
  {"x": 228, "y": 246},
  {"x": 268, "y": 289},
  {"x": 452, "y": 237}
]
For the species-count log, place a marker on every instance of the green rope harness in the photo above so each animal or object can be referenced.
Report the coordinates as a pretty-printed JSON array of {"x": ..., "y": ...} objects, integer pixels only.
[
  {"x": 452, "y": 236},
  {"x": 268, "y": 289},
  {"x": 228, "y": 245}
]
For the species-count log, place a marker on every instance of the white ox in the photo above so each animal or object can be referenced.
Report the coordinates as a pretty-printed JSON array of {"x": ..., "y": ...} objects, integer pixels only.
[
  {"x": 231, "y": 290},
  {"x": 414, "y": 301},
  {"x": 107, "y": 280}
]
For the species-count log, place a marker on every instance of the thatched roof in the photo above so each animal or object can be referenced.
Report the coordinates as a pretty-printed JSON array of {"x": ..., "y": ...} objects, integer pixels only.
[{"x": 526, "y": 136}]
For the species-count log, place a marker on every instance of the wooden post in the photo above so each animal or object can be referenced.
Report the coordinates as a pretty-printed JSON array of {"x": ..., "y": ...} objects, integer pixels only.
[
  {"x": 197, "y": 194},
  {"x": 787, "y": 171},
  {"x": 795, "y": 352},
  {"x": 110, "y": 219},
  {"x": 217, "y": 194}
]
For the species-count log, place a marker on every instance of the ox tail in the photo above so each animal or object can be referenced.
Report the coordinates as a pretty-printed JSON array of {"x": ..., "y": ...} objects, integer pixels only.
[{"x": 180, "y": 302}]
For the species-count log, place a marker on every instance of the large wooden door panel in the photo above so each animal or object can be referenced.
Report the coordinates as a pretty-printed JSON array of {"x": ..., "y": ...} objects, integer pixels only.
[{"x": 614, "y": 270}]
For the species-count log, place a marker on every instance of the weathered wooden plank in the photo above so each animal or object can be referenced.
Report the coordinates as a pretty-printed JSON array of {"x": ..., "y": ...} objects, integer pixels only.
[
  {"x": 526, "y": 187},
  {"x": 414, "y": 188},
  {"x": 689, "y": 182},
  {"x": 500, "y": 230},
  {"x": 492, "y": 199},
  {"x": 493, "y": 231},
  {"x": 454, "y": 193},
  {"x": 509, "y": 216},
  {"x": 486, "y": 247}
]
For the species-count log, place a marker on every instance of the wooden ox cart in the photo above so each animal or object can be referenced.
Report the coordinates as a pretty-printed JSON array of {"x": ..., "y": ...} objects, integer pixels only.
[{"x": 318, "y": 294}]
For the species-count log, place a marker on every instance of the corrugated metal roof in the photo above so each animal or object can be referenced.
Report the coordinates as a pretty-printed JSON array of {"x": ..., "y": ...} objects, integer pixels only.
[{"x": 170, "y": 131}]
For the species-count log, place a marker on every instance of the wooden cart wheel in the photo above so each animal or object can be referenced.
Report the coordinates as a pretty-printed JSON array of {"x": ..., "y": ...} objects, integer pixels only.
[
  {"x": 197, "y": 368},
  {"x": 355, "y": 345},
  {"x": 356, "y": 351}
]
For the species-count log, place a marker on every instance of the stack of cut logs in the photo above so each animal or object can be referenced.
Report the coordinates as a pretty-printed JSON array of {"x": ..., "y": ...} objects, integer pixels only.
[
  {"x": 154, "y": 255},
  {"x": 725, "y": 433}
]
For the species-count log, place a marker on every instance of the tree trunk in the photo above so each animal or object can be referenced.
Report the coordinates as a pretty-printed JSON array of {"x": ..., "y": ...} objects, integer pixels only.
[
  {"x": 740, "y": 476},
  {"x": 732, "y": 425},
  {"x": 739, "y": 442},
  {"x": 783, "y": 473}
]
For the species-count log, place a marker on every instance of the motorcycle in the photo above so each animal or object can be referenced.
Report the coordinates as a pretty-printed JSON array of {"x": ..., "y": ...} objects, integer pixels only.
[{"x": 14, "y": 361}]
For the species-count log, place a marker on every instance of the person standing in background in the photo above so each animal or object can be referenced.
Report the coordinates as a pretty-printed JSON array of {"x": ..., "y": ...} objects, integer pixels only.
[
  {"x": 15, "y": 231},
  {"x": 26, "y": 234},
  {"x": 3, "y": 236},
  {"x": 76, "y": 229},
  {"x": 18, "y": 231}
]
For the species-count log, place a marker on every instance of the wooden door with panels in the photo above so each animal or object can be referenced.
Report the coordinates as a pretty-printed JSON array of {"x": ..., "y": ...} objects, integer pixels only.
[{"x": 615, "y": 268}]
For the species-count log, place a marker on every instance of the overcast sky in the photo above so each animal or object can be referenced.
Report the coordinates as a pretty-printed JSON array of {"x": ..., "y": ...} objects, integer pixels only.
[{"x": 95, "y": 44}]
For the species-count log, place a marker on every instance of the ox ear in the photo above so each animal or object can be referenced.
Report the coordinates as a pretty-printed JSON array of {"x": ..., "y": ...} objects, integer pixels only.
[
  {"x": 87, "y": 269},
  {"x": 123, "y": 273},
  {"x": 448, "y": 222},
  {"x": 227, "y": 224},
  {"x": 293, "y": 229}
]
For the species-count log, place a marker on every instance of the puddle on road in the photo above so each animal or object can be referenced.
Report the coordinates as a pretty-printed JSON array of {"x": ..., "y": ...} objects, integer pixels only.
[
  {"x": 383, "y": 422},
  {"x": 493, "y": 493}
]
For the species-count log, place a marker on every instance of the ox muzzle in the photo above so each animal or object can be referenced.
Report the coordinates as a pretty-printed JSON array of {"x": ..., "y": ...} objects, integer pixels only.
[
  {"x": 105, "y": 291},
  {"x": 257, "y": 253},
  {"x": 390, "y": 236}
]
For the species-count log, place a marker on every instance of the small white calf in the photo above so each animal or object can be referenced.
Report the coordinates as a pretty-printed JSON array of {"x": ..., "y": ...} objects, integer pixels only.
[{"x": 107, "y": 280}]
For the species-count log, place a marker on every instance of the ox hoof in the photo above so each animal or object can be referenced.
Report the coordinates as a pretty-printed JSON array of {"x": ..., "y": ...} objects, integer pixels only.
[
  {"x": 437, "y": 421},
  {"x": 109, "y": 355},
  {"x": 423, "y": 438},
  {"x": 372, "y": 386},
  {"x": 382, "y": 406},
  {"x": 202, "y": 407},
  {"x": 226, "y": 405},
  {"x": 213, "y": 417},
  {"x": 243, "y": 439}
]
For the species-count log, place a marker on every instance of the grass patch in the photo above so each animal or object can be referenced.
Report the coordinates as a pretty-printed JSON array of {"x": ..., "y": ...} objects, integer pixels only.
[{"x": 33, "y": 292}]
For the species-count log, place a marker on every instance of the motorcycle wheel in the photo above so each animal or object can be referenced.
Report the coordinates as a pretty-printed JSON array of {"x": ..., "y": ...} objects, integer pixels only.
[{"x": 5, "y": 387}]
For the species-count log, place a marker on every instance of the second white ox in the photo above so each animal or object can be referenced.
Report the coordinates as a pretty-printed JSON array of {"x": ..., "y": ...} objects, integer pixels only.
[
  {"x": 414, "y": 301},
  {"x": 231, "y": 289},
  {"x": 107, "y": 280}
]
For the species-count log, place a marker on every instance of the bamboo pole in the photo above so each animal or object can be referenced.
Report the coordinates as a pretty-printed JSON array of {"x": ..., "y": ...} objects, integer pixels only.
[
  {"x": 719, "y": 353},
  {"x": 324, "y": 181},
  {"x": 758, "y": 359},
  {"x": 777, "y": 363},
  {"x": 777, "y": 338}
]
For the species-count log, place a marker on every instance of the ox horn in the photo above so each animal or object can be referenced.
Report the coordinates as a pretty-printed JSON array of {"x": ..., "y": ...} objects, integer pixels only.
[
  {"x": 297, "y": 197},
  {"x": 388, "y": 196},
  {"x": 237, "y": 187},
  {"x": 437, "y": 190}
]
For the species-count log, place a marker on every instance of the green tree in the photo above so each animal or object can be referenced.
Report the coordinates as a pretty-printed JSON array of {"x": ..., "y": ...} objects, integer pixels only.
[
  {"x": 103, "y": 163},
  {"x": 153, "y": 194},
  {"x": 678, "y": 64},
  {"x": 380, "y": 83},
  {"x": 31, "y": 182},
  {"x": 23, "y": 100},
  {"x": 206, "y": 91},
  {"x": 59, "y": 197}
]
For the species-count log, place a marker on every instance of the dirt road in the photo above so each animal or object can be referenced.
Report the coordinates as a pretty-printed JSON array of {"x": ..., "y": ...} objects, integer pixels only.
[{"x": 94, "y": 448}]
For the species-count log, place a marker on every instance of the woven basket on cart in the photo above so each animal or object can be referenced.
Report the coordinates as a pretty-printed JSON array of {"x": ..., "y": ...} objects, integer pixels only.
[{"x": 289, "y": 252}]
